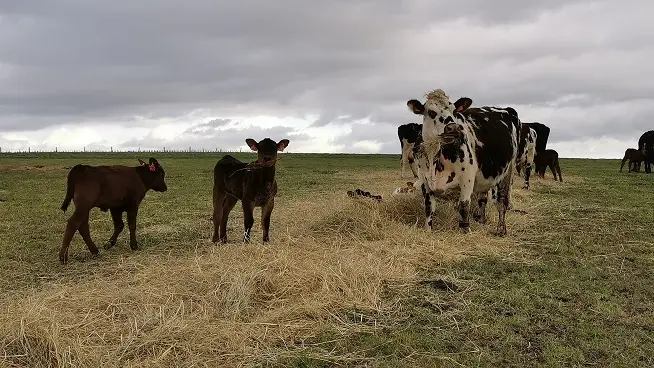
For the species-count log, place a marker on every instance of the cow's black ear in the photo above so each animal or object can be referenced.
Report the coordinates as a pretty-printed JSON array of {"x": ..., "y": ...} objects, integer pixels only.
[
  {"x": 282, "y": 144},
  {"x": 416, "y": 107},
  {"x": 252, "y": 144},
  {"x": 142, "y": 162},
  {"x": 153, "y": 161},
  {"x": 462, "y": 104}
]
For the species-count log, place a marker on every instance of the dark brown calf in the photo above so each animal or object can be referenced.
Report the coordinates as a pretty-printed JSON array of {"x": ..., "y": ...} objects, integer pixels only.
[
  {"x": 548, "y": 157},
  {"x": 254, "y": 184},
  {"x": 635, "y": 158},
  {"x": 115, "y": 188}
]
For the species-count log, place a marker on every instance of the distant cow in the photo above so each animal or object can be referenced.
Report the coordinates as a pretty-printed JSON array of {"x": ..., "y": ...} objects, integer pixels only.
[
  {"x": 543, "y": 132},
  {"x": 473, "y": 149},
  {"x": 408, "y": 133},
  {"x": 115, "y": 188},
  {"x": 635, "y": 157},
  {"x": 550, "y": 158},
  {"x": 646, "y": 146},
  {"x": 252, "y": 183},
  {"x": 526, "y": 152}
]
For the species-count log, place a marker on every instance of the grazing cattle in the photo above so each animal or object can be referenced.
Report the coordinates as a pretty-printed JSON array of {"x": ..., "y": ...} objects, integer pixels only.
[
  {"x": 526, "y": 152},
  {"x": 635, "y": 157},
  {"x": 473, "y": 149},
  {"x": 408, "y": 133},
  {"x": 252, "y": 183},
  {"x": 115, "y": 188},
  {"x": 646, "y": 146},
  {"x": 543, "y": 133},
  {"x": 550, "y": 158}
]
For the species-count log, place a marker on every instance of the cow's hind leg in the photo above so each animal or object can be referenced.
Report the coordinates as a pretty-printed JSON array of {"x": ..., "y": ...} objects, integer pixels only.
[
  {"x": 218, "y": 204},
  {"x": 85, "y": 232},
  {"x": 624, "y": 159},
  {"x": 558, "y": 170},
  {"x": 503, "y": 192},
  {"x": 228, "y": 204},
  {"x": 73, "y": 224},
  {"x": 480, "y": 216},
  {"x": 119, "y": 225},
  {"x": 430, "y": 206}
]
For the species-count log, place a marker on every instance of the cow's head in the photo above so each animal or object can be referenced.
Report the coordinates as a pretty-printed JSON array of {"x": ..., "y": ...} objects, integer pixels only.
[
  {"x": 437, "y": 111},
  {"x": 266, "y": 150},
  {"x": 154, "y": 175}
]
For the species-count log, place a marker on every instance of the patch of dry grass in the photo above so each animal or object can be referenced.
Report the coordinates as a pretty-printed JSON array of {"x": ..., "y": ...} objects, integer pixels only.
[{"x": 236, "y": 304}]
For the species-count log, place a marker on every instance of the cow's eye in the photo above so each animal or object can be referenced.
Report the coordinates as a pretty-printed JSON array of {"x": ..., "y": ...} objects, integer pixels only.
[{"x": 432, "y": 114}]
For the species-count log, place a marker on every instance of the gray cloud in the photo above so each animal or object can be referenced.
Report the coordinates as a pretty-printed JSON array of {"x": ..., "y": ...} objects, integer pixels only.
[{"x": 568, "y": 64}]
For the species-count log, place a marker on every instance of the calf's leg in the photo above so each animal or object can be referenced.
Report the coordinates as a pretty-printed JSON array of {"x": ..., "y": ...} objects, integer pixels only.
[
  {"x": 467, "y": 185},
  {"x": 624, "y": 159},
  {"x": 119, "y": 225},
  {"x": 85, "y": 232},
  {"x": 558, "y": 170},
  {"x": 248, "y": 219},
  {"x": 218, "y": 203},
  {"x": 228, "y": 204},
  {"x": 131, "y": 223},
  {"x": 73, "y": 224},
  {"x": 266, "y": 212}
]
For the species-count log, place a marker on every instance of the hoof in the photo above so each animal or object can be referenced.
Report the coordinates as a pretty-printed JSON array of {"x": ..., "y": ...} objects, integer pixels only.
[
  {"x": 134, "y": 246},
  {"x": 110, "y": 244},
  {"x": 465, "y": 229}
]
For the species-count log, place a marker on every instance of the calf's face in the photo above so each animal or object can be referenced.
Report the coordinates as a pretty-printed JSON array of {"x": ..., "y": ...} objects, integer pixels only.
[
  {"x": 156, "y": 175},
  {"x": 267, "y": 149}
]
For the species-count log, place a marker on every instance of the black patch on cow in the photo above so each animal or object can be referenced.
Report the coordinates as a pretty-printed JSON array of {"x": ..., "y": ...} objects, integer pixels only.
[
  {"x": 463, "y": 169},
  {"x": 438, "y": 166},
  {"x": 410, "y": 132},
  {"x": 431, "y": 113},
  {"x": 440, "y": 118},
  {"x": 542, "y": 134},
  {"x": 451, "y": 177},
  {"x": 448, "y": 120}
]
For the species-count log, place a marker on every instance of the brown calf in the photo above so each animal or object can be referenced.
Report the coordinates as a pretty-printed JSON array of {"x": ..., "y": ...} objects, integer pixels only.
[
  {"x": 635, "y": 158},
  {"x": 548, "y": 157},
  {"x": 254, "y": 184},
  {"x": 115, "y": 188}
]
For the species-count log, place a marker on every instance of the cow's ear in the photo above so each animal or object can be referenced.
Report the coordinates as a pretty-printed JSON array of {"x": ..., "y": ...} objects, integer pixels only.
[
  {"x": 252, "y": 144},
  {"x": 416, "y": 107},
  {"x": 154, "y": 161},
  {"x": 142, "y": 162},
  {"x": 282, "y": 144},
  {"x": 462, "y": 104}
]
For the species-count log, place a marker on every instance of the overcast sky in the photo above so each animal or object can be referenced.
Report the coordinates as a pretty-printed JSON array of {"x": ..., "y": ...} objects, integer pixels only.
[{"x": 330, "y": 76}]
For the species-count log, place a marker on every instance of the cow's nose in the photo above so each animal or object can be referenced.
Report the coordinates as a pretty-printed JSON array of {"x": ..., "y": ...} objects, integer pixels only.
[{"x": 450, "y": 129}]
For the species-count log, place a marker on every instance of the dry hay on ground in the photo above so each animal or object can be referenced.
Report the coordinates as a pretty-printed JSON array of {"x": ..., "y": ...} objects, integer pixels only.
[{"x": 236, "y": 304}]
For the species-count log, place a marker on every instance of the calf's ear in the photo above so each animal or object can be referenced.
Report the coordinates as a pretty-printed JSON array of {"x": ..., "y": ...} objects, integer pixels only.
[
  {"x": 462, "y": 104},
  {"x": 282, "y": 144},
  {"x": 252, "y": 144},
  {"x": 416, "y": 107},
  {"x": 141, "y": 162}
]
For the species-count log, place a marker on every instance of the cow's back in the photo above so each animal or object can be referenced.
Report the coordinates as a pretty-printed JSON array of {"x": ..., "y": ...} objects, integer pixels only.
[
  {"x": 229, "y": 174},
  {"x": 107, "y": 186},
  {"x": 496, "y": 131}
]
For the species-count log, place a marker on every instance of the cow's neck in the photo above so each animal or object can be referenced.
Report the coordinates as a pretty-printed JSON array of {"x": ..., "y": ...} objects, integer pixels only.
[
  {"x": 143, "y": 174},
  {"x": 265, "y": 174}
]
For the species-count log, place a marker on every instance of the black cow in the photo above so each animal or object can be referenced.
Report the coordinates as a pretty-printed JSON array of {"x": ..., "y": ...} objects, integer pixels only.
[
  {"x": 115, "y": 188},
  {"x": 408, "y": 134},
  {"x": 546, "y": 158},
  {"x": 542, "y": 132},
  {"x": 473, "y": 149},
  {"x": 635, "y": 157},
  {"x": 646, "y": 146},
  {"x": 253, "y": 183}
]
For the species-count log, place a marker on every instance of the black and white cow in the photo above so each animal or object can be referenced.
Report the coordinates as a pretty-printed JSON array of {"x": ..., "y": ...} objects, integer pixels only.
[
  {"x": 646, "y": 146},
  {"x": 543, "y": 132},
  {"x": 408, "y": 134},
  {"x": 526, "y": 152},
  {"x": 473, "y": 149}
]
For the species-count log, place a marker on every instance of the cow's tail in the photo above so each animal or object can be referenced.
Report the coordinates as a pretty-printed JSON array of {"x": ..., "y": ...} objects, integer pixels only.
[{"x": 70, "y": 186}]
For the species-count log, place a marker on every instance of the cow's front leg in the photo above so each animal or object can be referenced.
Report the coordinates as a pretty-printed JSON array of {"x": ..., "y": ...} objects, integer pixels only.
[
  {"x": 480, "y": 216},
  {"x": 248, "y": 218},
  {"x": 466, "y": 186},
  {"x": 131, "y": 223},
  {"x": 428, "y": 207}
]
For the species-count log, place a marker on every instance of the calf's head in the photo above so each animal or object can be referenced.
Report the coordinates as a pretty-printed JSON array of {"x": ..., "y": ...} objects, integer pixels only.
[
  {"x": 153, "y": 175},
  {"x": 266, "y": 150}
]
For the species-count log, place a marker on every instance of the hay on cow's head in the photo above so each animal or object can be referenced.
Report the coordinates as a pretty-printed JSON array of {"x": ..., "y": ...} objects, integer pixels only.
[{"x": 438, "y": 97}]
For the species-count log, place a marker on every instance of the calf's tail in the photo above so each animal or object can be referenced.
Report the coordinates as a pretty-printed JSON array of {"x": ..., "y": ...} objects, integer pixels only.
[{"x": 70, "y": 187}]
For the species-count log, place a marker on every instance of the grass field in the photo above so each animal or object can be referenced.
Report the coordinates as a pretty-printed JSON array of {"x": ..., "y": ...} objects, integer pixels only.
[{"x": 344, "y": 282}]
